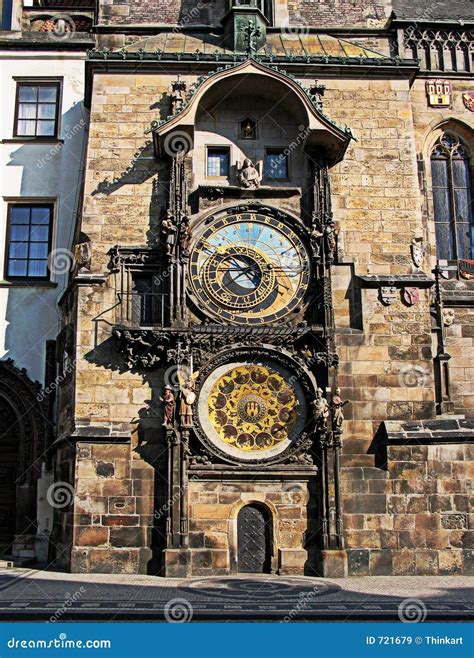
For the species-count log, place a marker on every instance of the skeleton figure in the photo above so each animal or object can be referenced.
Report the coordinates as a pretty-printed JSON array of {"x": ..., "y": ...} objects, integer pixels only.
[{"x": 337, "y": 405}]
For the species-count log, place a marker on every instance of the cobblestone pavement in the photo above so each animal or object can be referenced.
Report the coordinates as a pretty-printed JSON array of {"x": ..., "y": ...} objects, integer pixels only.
[{"x": 33, "y": 594}]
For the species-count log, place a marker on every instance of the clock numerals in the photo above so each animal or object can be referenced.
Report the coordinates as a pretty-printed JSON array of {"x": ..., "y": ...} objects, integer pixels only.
[{"x": 249, "y": 268}]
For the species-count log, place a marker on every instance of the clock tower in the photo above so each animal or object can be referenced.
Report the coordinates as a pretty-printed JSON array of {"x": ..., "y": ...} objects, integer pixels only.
[{"x": 245, "y": 341}]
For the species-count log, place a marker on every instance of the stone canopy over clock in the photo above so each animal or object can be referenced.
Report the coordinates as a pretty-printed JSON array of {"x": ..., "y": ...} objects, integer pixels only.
[{"x": 249, "y": 267}]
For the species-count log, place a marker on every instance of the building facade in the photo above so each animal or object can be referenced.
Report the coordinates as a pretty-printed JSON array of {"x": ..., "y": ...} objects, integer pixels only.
[
  {"x": 43, "y": 128},
  {"x": 265, "y": 358}
]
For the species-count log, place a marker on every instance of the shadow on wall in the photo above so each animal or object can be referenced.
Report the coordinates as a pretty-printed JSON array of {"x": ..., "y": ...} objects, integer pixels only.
[
  {"x": 151, "y": 441},
  {"x": 50, "y": 171}
]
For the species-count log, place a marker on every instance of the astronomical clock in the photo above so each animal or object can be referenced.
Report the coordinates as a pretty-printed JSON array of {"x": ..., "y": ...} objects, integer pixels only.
[
  {"x": 249, "y": 275},
  {"x": 249, "y": 268}
]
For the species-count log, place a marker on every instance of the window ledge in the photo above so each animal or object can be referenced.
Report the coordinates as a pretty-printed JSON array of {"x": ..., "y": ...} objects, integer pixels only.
[
  {"x": 27, "y": 284},
  {"x": 33, "y": 140}
]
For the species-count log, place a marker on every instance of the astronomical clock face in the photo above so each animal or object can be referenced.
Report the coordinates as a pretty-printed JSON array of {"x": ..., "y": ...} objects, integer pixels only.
[
  {"x": 249, "y": 268},
  {"x": 252, "y": 411}
]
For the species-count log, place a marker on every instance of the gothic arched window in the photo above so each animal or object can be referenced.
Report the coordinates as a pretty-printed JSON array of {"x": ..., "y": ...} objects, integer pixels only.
[{"x": 452, "y": 198}]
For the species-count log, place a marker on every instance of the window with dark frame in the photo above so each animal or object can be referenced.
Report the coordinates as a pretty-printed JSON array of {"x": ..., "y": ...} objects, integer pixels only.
[
  {"x": 28, "y": 241},
  {"x": 37, "y": 109},
  {"x": 452, "y": 199},
  {"x": 218, "y": 161},
  {"x": 276, "y": 164}
]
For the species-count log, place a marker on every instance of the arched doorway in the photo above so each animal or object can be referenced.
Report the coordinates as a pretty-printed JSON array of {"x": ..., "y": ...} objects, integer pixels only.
[
  {"x": 24, "y": 431},
  {"x": 254, "y": 539},
  {"x": 9, "y": 458}
]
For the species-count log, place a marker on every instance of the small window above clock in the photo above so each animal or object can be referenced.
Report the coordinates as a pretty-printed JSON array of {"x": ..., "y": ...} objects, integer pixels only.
[{"x": 218, "y": 158}]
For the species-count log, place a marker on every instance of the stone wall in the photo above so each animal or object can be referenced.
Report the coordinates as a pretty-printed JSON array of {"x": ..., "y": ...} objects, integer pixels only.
[
  {"x": 329, "y": 13},
  {"x": 460, "y": 345},
  {"x": 411, "y": 515},
  {"x": 113, "y": 510},
  {"x": 213, "y": 511}
]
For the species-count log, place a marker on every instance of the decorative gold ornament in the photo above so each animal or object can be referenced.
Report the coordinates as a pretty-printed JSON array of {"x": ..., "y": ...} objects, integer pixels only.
[
  {"x": 252, "y": 407},
  {"x": 249, "y": 268}
]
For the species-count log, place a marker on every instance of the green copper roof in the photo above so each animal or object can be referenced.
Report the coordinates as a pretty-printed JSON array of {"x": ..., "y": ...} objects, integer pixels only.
[{"x": 277, "y": 45}]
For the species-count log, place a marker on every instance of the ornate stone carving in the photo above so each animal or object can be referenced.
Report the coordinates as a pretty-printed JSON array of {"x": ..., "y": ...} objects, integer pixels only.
[
  {"x": 83, "y": 253},
  {"x": 187, "y": 396},
  {"x": 251, "y": 32},
  {"x": 411, "y": 295},
  {"x": 337, "y": 406},
  {"x": 141, "y": 349},
  {"x": 249, "y": 176},
  {"x": 321, "y": 410},
  {"x": 178, "y": 96},
  {"x": 448, "y": 317},
  {"x": 433, "y": 46},
  {"x": 388, "y": 295},
  {"x": 417, "y": 252},
  {"x": 168, "y": 230}
]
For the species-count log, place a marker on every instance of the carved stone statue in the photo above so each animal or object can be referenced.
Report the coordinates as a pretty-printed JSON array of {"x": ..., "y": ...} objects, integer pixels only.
[
  {"x": 185, "y": 235},
  {"x": 168, "y": 228},
  {"x": 248, "y": 175},
  {"x": 178, "y": 96},
  {"x": 321, "y": 409},
  {"x": 187, "y": 397},
  {"x": 169, "y": 401},
  {"x": 83, "y": 253},
  {"x": 337, "y": 405},
  {"x": 315, "y": 239},
  {"x": 330, "y": 239}
]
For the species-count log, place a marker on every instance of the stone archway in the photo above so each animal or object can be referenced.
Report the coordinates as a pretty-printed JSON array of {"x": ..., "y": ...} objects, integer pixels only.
[
  {"x": 23, "y": 441},
  {"x": 9, "y": 457}
]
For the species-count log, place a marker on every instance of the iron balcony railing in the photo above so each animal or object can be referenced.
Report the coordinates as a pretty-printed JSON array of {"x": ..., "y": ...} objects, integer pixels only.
[{"x": 137, "y": 309}]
